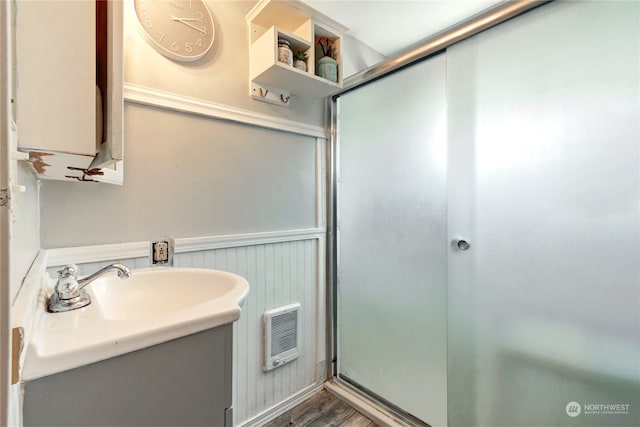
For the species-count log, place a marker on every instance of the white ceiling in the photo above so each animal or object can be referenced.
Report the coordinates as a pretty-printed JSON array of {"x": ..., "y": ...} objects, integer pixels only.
[{"x": 388, "y": 26}]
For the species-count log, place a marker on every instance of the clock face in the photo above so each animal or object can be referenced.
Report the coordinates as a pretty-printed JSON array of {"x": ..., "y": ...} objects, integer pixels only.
[{"x": 179, "y": 29}]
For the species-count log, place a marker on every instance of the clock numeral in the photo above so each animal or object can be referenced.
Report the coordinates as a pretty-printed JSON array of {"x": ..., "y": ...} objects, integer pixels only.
[
  {"x": 199, "y": 42},
  {"x": 161, "y": 36},
  {"x": 175, "y": 47},
  {"x": 199, "y": 16},
  {"x": 143, "y": 4},
  {"x": 204, "y": 31},
  {"x": 188, "y": 47},
  {"x": 148, "y": 23}
]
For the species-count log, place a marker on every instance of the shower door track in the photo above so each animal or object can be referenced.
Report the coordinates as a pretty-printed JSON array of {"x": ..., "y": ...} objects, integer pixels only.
[
  {"x": 382, "y": 404},
  {"x": 491, "y": 17}
]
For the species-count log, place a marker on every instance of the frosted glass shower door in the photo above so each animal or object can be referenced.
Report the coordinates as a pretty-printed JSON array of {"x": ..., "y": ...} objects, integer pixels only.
[
  {"x": 392, "y": 250},
  {"x": 544, "y": 181}
]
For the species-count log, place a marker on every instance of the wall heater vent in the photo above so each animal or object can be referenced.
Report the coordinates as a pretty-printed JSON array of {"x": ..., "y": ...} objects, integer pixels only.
[{"x": 281, "y": 335}]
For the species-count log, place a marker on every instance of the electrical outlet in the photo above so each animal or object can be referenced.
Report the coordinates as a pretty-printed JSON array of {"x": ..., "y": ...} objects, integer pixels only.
[{"x": 162, "y": 252}]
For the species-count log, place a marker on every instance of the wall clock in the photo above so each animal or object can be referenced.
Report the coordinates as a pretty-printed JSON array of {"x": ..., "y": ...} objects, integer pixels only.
[{"x": 182, "y": 30}]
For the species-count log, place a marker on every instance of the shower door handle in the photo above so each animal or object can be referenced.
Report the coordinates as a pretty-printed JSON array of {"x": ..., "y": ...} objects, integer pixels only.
[{"x": 463, "y": 245}]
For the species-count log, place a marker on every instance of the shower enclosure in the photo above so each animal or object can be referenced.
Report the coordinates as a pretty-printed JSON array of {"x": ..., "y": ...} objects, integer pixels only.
[{"x": 487, "y": 251}]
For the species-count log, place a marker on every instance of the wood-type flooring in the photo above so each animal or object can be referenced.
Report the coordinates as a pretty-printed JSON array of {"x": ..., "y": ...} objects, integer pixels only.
[{"x": 322, "y": 410}]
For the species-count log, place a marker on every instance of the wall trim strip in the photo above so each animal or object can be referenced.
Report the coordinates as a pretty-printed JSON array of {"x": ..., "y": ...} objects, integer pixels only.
[
  {"x": 86, "y": 254},
  {"x": 174, "y": 102},
  {"x": 282, "y": 407},
  {"x": 194, "y": 244}
]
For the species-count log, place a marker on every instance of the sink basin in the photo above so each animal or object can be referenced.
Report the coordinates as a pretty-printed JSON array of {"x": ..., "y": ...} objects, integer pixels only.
[
  {"x": 151, "y": 293},
  {"x": 151, "y": 307}
]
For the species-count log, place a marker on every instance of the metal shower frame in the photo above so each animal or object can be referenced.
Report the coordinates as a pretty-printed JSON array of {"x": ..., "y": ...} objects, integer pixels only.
[{"x": 422, "y": 50}]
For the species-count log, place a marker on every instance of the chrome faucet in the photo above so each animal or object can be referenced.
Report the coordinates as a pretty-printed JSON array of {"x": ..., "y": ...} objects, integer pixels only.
[{"x": 69, "y": 291}]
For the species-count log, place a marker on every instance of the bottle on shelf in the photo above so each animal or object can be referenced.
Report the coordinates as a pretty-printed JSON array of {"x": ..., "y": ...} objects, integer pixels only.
[{"x": 285, "y": 54}]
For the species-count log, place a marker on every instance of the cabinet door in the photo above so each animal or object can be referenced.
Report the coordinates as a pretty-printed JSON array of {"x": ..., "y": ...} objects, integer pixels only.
[
  {"x": 110, "y": 69},
  {"x": 55, "y": 55}
]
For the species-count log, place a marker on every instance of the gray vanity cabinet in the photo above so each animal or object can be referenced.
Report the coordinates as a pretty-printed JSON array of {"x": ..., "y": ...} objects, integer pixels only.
[{"x": 183, "y": 382}]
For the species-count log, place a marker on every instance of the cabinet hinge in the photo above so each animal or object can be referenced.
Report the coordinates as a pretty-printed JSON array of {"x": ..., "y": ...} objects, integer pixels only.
[{"x": 5, "y": 198}]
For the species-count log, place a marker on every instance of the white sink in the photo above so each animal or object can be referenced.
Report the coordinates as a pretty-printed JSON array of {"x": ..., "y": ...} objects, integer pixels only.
[
  {"x": 151, "y": 293},
  {"x": 150, "y": 307}
]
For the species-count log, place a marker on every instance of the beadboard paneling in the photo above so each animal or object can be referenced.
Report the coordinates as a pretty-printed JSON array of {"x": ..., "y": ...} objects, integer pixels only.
[{"x": 279, "y": 274}]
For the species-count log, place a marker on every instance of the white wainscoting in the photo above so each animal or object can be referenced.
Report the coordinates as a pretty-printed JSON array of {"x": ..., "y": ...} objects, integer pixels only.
[
  {"x": 282, "y": 268},
  {"x": 279, "y": 274}
]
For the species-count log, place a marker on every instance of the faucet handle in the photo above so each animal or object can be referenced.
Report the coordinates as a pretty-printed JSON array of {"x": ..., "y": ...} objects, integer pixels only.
[{"x": 68, "y": 270}]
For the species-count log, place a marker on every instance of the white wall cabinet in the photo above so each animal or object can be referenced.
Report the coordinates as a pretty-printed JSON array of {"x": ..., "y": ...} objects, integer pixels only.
[
  {"x": 302, "y": 27},
  {"x": 64, "y": 51}
]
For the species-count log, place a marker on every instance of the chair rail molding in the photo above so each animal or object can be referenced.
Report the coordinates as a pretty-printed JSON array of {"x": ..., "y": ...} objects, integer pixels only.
[
  {"x": 97, "y": 253},
  {"x": 170, "y": 101}
]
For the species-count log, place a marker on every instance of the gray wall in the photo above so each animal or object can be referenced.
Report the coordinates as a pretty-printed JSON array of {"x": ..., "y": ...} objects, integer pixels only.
[{"x": 188, "y": 176}]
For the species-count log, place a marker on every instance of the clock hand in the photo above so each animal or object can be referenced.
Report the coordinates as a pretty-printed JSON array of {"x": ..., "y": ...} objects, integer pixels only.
[{"x": 175, "y": 18}]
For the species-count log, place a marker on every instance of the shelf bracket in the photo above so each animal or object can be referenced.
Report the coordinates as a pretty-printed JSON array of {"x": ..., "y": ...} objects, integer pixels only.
[{"x": 271, "y": 95}]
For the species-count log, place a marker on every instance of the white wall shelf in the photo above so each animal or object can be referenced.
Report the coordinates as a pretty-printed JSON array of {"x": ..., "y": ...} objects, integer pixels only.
[{"x": 271, "y": 20}]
